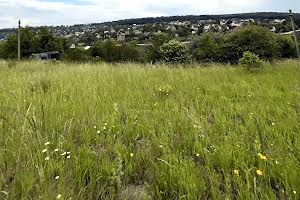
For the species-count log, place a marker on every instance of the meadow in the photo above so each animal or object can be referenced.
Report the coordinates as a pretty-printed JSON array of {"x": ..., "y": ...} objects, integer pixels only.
[{"x": 130, "y": 131}]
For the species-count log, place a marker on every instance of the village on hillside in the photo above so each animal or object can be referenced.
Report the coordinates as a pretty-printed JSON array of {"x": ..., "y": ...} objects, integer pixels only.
[{"x": 85, "y": 35}]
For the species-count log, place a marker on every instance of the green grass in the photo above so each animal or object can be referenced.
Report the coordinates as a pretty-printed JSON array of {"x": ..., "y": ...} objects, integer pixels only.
[{"x": 138, "y": 132}]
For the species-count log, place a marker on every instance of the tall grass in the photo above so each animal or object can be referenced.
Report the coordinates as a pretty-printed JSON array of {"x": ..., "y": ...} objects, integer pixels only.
[{"x": 101, "y": 131}]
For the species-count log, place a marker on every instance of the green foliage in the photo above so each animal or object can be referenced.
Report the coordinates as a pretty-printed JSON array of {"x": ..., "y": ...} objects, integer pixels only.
[
  {"x": 76, "y": 55},
  {"x": 31, "y": 42},
  {"x": 251, "y": 61},
  {"x": 111, "y": 51},
  {"x": 256, "y": 39},
  {"x": 230, "y": 47},
  {"x": 174, "y": 52},
  {"x": 207, "y": 48},
  {"x": 153, "y": 51},
  {"x": 286, "y": 47}
]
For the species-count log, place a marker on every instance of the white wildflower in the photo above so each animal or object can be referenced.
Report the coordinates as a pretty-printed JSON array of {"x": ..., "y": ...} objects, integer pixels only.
[{"x": 47, "y": 143}]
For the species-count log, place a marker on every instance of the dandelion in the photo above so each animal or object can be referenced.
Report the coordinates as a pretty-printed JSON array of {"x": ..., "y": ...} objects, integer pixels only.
[
  {"x": 56, "y": 150},
  {"x": 197, "y": 155},
  {"x": 294, "y": 192},
  {"x": 131, "y": 154},
  {"x": 104, "y": 128},
  {"x": 98, "y": 132},
  {"x": 47, "y": 143},
  {"x": 95, "y": 127},
  {"x": 236, "y": 172},
  {"x": 58, "y": 196},
  {"x": 45, "y": 150},
  {"x": 56, "y": 177},
  {"x": 259, "y": 172},
  {"x": 47, "y": 158},
  {"x": 262, "y": 157}
]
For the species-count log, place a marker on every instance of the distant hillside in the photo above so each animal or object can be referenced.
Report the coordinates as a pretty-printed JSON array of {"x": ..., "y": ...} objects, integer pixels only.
[
  {"x": 255, "y": 16},
  {"x": 150, "y": 20}
]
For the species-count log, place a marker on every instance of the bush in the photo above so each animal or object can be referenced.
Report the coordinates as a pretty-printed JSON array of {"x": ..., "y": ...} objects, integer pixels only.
[
  {"x": 255, "y": 39},
  {"x": 251, "y": 61},
  {"x": 174, "y": 52},
  {"x": 153, "y": 51},
  {"x": 286, "y": 47},
  {"x": 206, "y": 48},
  {"x": 111, "y": 51},
  {"x": 76, "y": 55}
]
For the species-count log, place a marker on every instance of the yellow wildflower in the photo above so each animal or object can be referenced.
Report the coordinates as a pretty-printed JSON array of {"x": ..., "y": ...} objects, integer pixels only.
[
  {"x": 262, "y": 157},
  {"x": 259, "y": 172},
  {"x": 236, "y": 172}
]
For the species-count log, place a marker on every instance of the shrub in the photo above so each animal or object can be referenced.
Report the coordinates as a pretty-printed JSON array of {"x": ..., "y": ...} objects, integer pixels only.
[
  {"x": 174, "y": 52},
  {"x": 111, "y": 51},
  {"x": 76, "y": 55},
  {"x": 286, "y": 47},
  {"x": 153, "y": 51},
  {"x": 251, "y": 61},
  {"x": 206, "y": 48},
  {"x": 256, "y": 39}
]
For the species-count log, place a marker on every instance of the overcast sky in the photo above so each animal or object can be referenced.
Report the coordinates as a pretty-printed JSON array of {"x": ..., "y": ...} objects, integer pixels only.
[{"x": 68, "y": 12}]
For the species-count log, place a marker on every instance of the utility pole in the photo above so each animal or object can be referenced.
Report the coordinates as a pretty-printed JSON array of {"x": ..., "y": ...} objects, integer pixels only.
[
  {"x": 19, "y": 41},
  {"x": 295, "y": 36}
]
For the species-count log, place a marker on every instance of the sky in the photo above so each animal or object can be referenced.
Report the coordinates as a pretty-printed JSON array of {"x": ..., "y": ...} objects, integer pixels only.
[{"x": 69, "y": 12}]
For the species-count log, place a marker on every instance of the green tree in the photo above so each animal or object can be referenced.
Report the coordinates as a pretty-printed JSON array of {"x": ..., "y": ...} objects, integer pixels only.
[
  {"x": 286, "y": 47},
  {"x": 174, "y": 52},
  {"x": 111, "y": 51},
  {"x": 256, "y": 39},
  {"x": 10, "y": 46},
  {"x": 157, "y": 41},
  {"x": 206, "y": 48},
  {"x": 45, "y": 41},
  {"x": 76, "y": 55}
]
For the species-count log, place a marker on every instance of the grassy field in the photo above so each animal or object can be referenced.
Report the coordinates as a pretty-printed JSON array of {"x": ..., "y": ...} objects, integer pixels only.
[{"x": 100, "y": 131}]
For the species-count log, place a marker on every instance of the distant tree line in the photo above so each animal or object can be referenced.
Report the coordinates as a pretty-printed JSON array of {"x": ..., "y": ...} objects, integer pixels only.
[
  {"x": 256, "y": 16},
  {"x": 32, "y": 42},
  {"x": 208, "y": 47}
]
